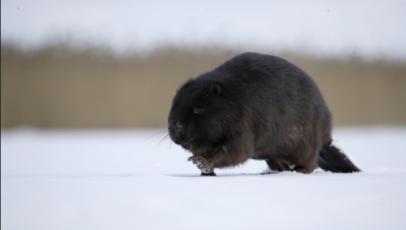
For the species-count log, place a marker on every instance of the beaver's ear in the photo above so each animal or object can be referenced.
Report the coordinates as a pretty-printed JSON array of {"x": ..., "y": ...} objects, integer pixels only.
[{"x": 216, "y": 88}]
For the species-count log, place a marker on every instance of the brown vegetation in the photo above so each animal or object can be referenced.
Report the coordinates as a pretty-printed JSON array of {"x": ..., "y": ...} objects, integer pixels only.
[{"x": 60, "y": 86}]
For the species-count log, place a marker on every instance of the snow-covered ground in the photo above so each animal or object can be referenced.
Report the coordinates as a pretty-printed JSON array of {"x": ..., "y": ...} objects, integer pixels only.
[{"x": 132, "y": 179}]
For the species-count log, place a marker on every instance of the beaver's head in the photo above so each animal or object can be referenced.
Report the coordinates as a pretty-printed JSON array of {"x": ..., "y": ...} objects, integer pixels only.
[{"x": 201, "y": 115}]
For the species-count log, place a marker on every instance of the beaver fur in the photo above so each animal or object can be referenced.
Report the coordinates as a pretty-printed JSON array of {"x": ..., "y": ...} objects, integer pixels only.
[{"x": 255, "y": 106}]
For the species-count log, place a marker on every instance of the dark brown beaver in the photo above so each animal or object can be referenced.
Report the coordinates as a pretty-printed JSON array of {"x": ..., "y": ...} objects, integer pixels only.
[{"x": 255, "y": 106}]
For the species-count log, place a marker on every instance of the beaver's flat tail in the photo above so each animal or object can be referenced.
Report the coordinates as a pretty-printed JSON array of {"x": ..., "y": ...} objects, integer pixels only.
[{"x": 332, "y": 159}]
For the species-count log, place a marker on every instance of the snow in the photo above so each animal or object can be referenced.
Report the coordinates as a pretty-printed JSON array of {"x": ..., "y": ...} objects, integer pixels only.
[{"x": 136, "y": 179}]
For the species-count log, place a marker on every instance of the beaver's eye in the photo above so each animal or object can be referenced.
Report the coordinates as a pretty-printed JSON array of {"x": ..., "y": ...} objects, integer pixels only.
[{"x": 197, "y": 110}]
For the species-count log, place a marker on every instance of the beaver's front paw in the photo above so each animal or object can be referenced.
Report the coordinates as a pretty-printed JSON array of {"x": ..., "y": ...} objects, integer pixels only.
[
  {"x": 203, "y": 165},
  {"x": 207, "y": 174}
]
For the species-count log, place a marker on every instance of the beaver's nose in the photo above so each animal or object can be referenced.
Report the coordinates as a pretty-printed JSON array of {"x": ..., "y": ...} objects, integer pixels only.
[{"x": 176, "y": 128}]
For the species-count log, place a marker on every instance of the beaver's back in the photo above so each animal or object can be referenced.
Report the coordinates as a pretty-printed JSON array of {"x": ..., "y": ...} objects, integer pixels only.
[{"x": 281, "y": 101}]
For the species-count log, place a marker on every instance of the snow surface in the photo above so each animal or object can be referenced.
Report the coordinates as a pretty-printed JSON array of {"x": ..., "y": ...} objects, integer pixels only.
[{"x": 134, "y": 179}]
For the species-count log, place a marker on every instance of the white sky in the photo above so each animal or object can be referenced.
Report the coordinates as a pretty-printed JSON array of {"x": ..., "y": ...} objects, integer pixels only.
[{"x": 370, "y": 28}]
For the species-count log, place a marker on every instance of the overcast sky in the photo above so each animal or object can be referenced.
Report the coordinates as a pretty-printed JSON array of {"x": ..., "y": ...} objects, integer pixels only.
[{"x": 371, "y": 28}]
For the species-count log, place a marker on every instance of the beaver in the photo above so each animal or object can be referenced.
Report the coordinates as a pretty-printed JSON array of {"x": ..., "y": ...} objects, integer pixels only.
[{"x": 255, "y": 106}]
